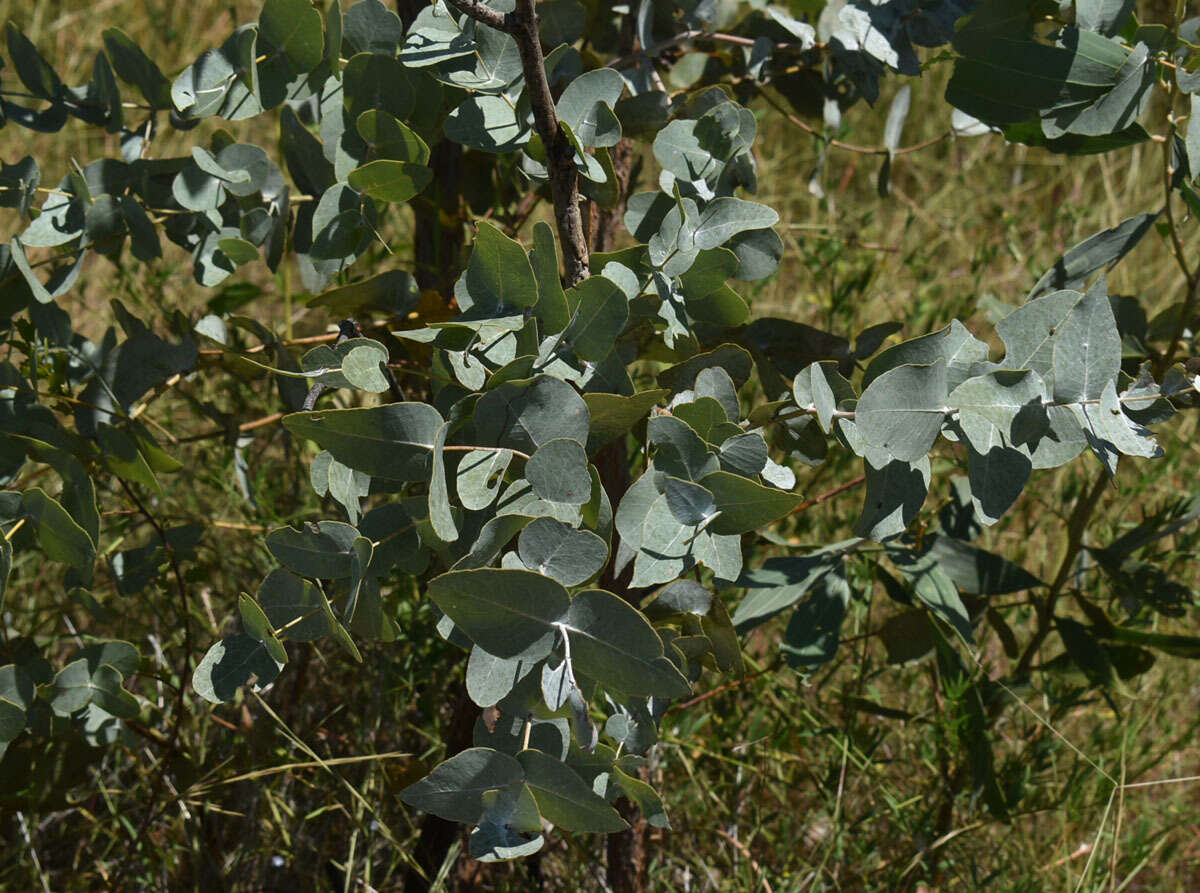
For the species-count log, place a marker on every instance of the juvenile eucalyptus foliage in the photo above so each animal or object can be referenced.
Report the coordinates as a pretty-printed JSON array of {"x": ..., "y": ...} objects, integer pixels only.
[{"x": 587, "y": 602}]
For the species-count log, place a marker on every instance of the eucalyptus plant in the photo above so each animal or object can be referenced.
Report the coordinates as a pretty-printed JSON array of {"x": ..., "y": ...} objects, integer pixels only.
[{"x": 575, "y": 435}]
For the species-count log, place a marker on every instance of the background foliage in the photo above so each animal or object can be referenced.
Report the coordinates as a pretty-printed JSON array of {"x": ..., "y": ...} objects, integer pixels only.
[{"x": 850, "y": 774}]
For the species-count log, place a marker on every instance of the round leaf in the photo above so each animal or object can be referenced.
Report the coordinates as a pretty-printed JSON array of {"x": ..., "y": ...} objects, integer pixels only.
[
  {"x": 557, "y": 550},
  {"x": 231, "y": 663},
  {"x": 391, "y": 181},
  {"x": 558, "y": 472},
  {"x": 509, "y": 613}
]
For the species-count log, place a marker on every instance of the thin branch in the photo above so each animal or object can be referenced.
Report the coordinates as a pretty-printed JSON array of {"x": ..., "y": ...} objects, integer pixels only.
[
  {"x": 485, "y": 15},
  {"x": 1076, "y": 526},
  {"x": 245, "y": 426},
  {"x": 347, "y": 329},
  {"x": 800, "y": 412},
  {"x": 232, "y": 525},
  {"x": 259, "y": 348},
  {"x": 523, "y": 212},
  {"x": 720, "y": 689},
  {"x": 560, "y": 154},
  {"x": 158, "y": 392},
  {"x": 154, "y": 806},
  {"x": 849, "y": 147},
  {"x": 522, "y": 25},
  {"x": 467, "y": 448},
  {"x": 1168, "y": 175},
  {"x": 683, "y": 37},
  {"x": 1191, "y": 277},
  {"x": 1185, "y": 318},
  {"x": 817, "y": 500}
]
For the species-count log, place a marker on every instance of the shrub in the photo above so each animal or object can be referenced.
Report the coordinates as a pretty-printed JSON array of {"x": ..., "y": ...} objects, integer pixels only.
[{"x": 578, "y": 443}]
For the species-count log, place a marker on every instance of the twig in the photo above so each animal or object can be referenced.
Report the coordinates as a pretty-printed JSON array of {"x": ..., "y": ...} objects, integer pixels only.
[
  {"x": 523, "y": 212},
  {"x": 850, "y": 147},
  {"x": 347, "y": 329},
  {"x": 817, "y": 500},
  {"x": 485, "y": 14},
  {"x": 1191, "y": 277},
  {"x": 289, "y": 342},
  {"x": 154, "y": 807},
  {"x": 720, "y": 689},
  {"x": 1076, "y": 526},
  {"x": 684, "y": 36},
  {"x": 245, "y": 426},
  {"x": 560, "y": 154},
  {"x": 230, "y": 525},
  {"x": 8, "y": 534},
  {"x": 159, "y": 391},
  {"x": 467, "y": 448}
]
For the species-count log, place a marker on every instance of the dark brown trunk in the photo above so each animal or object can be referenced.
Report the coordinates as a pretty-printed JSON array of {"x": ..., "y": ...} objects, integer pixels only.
[
  {"x": 626, "y": 856},
  {"x": 438, "y": 834},
  {"x": 437, "y": 251},
  {"x": 626, "y": 870},
  {"x": 606, "y": 222},
  {"x": 438, "y": 240},
  {"x": 627, "y": 850},
  {"x": 438, "y": 231}
]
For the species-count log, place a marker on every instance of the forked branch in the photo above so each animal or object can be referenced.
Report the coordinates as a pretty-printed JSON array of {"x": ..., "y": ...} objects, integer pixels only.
[{"x": 485, "y": 14}]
